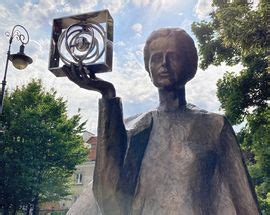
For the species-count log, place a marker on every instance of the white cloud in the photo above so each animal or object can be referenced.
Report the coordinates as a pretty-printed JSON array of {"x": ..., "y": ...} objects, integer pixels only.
[
  {"x": 4, "y": 12},
  {"x": 113, "y": 6},
  {"x": 203, "y": 8},
  {"x": 9, "y": 19},
  {"x": 42, "y": 12},
  {"x": 255, "y": 4},
  {"x": 137, "y": 28},
  {"x": 39, "y": 12},
  {"x": 159, "y": 5},
  {"x": 156, "y": 5},
  {"x": 141, "y": 2},
  {"x": 120, "y": 43}
]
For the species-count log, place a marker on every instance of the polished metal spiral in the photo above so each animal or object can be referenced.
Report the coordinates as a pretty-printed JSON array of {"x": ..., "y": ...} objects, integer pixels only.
[{"x": 82, "y": 43}]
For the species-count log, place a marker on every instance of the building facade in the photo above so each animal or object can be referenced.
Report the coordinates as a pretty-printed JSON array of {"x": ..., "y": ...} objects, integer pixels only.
[{"x": 82, "y": 176}]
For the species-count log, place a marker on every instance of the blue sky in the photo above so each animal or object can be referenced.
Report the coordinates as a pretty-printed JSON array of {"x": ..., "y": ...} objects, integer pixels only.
[{"x": 134, "y": 20}]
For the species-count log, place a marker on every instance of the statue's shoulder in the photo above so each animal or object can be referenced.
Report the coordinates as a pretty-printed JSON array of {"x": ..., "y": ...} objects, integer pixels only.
[
  {"x": 139, "y": 122},
  {"x": 207, "y": 117}
]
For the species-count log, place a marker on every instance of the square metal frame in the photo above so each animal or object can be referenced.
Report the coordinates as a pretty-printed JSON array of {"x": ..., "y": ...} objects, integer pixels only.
[{"x": 60, "y": 24}]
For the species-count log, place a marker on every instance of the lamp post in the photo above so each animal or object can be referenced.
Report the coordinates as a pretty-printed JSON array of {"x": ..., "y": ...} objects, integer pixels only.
[{"x": 19, "y": 60}]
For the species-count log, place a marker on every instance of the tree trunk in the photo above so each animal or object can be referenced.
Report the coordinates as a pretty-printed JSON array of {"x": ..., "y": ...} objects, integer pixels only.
[{"x": 36, "y": 206}]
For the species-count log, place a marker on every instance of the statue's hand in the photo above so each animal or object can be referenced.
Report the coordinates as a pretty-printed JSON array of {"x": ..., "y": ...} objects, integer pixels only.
[{"x": 87, "y": 80}]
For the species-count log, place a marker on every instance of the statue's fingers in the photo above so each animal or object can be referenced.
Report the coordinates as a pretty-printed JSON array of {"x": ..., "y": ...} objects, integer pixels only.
[
  {"x": 76, "y": 72},
  {"x": 73, "y": 74},
  {"x": 68, "y": 72},
  {"x": 84, "y": 74},
  {"x": 88, "y": 73}
]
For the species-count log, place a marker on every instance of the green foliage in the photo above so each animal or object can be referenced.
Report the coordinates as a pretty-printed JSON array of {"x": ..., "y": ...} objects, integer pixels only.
[
  {"x": 40, "y": 146},
  {"x": 255, "y": 138},
  {"x": 237, "y": 33}
]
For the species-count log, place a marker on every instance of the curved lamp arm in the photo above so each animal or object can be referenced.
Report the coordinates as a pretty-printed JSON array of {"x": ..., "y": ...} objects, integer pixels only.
[{"x": 23, "y": 38}]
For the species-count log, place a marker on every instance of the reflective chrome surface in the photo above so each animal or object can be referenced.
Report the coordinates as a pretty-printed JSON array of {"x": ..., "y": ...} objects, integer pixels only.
[{"x": 84, "y": 39}]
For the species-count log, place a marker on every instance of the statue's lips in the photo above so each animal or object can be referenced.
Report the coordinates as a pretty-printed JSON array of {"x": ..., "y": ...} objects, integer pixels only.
[{"x": 164, "y": 73}]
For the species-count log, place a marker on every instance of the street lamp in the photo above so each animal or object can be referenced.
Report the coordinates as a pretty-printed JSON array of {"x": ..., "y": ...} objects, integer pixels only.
[{"x": 19, "y": 60}]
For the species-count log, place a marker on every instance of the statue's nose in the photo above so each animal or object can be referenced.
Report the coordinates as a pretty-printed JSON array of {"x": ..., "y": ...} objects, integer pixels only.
[{"x": 164, "y": 60}]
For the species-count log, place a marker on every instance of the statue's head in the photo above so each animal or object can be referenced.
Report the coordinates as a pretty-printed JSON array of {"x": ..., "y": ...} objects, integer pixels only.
[{"x": 170, "y": 57}]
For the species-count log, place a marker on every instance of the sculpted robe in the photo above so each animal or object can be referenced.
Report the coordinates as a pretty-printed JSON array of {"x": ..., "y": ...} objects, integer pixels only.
[{"x": 176, "y": 163}]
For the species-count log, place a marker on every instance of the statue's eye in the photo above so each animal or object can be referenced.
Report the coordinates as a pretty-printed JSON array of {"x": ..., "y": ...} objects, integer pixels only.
[
  {"x": 156, "y": 57},
  {"x": 172, "y": 57}
]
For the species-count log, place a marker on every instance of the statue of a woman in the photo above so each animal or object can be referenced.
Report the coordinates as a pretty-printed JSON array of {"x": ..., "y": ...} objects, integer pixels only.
[{"x": 176, "y": 159}]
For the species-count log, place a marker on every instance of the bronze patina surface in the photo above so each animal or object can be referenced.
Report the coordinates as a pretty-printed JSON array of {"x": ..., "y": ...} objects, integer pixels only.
[{"x": 175, "y": 159}]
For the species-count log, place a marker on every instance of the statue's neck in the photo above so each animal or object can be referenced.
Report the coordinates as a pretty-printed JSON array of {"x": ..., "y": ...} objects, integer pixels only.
[{"x": 172, "y": 100}]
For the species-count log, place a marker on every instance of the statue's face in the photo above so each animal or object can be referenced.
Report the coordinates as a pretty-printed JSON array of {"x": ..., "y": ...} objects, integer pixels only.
[{"x": 166, "y": 63}]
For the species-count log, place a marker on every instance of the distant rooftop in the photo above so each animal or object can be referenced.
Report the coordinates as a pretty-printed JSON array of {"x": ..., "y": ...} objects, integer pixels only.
[{"x": 87, "y": 135}]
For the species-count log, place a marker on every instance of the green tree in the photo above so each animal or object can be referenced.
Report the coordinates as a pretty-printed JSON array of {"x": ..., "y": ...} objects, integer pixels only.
[
  {"x": 39, "y": 149},
  {"x": 236, "y": 33}
]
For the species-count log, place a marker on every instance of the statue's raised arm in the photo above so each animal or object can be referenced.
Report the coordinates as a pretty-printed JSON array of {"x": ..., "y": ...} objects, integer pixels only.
[{"x": 112, "y": 139}]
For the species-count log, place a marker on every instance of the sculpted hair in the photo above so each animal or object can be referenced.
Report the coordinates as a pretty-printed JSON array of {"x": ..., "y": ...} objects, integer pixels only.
[{"x": 186, "y": 45}]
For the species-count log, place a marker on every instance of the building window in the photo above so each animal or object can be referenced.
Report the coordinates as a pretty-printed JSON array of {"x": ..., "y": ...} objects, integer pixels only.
[{"x": 78, "y": 179}]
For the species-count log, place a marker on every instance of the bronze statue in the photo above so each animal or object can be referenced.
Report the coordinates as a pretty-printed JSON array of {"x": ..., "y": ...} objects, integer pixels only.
[{"x": 176, "y": 159}]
